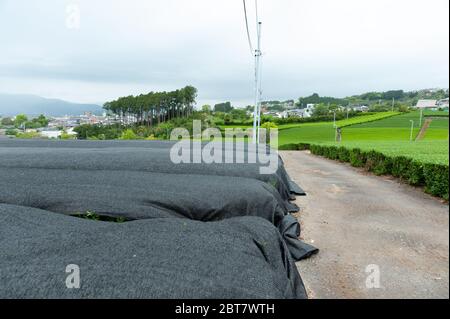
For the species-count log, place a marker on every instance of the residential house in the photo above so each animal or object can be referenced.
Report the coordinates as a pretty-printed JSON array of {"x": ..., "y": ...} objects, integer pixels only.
[
  {"x": 427, "y": 104},
  {"x": 443, "y": 103}
]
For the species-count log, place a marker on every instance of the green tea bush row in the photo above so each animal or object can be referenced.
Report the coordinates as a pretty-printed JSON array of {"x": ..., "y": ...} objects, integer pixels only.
[{"x": 367, "y": 119}]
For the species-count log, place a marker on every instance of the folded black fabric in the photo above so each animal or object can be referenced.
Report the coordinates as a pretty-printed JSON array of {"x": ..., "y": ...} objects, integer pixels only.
[
  {"x": 159, "y": 258},
  {"x": 290, "y": 230}
]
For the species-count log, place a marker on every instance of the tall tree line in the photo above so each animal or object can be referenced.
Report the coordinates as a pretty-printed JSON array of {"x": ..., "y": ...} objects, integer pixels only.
[{"x": 154, "y": 107}]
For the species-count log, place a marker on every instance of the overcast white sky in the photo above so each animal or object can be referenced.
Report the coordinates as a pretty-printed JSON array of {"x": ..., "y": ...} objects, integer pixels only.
[{"x": 127, "y": 47}]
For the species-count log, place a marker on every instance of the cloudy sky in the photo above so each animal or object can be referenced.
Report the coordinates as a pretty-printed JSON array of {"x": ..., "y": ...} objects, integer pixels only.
[{"x": 119, "y": 47}]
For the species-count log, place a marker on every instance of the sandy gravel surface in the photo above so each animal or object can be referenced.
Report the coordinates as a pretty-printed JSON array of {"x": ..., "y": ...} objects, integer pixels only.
[{"x": 358, "y": 219}]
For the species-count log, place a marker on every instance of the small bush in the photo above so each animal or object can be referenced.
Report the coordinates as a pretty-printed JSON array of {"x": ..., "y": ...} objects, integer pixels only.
[
  {"x": 436, "y": 179},
  {"x": 357, "y": 158},
  {"x": 295, "y": 147},
  {"x": 11, "y": 132},
  {"x": 378, "y": 163},
  {"x": 28, "y": 135},
  {"x": 332, "y": 152},
  {"x": 289, "y": 147},
  {"x": 415, "y": 174},
  {"x": 128, "y": 135},
  {"x": 304, "y": 146},
  {"x": 316, "y": 149},
  {"x": 66, "y": 136},
  {"x": 326, "y": 151},
  {"x": 400, "y": 166},
  {"x": 344, "y": 154}
]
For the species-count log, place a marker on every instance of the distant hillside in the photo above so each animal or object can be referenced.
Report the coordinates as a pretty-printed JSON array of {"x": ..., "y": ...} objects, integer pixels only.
[{"x": 13, "y": 104}]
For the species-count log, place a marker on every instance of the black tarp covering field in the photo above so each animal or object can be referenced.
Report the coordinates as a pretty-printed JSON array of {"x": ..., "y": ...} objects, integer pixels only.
[
  {"x": 176, "y": 258},
  {"x": 137, "y": 180},
  {"x": 135, "y": 155}
]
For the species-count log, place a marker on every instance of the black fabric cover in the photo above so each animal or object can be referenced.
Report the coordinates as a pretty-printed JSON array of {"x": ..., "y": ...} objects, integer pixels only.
[
  {"x": 140, "y": 195},
  {"x": 290, "y": 230},
  {"x": 137, "y": 180},
  {"x": 152, "y": 156},
  {"x": 144, "y": 195},
  {"x": 175, "y": 258}
]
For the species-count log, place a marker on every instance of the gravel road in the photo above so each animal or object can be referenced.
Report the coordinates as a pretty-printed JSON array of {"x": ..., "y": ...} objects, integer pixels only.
[{"x": 357, "y": 220}]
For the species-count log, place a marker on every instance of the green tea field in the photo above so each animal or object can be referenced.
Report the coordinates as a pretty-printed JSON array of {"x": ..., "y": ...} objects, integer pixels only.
[
  {"x": 396, "y": 128},
  {"x": 390, "y": 135}
]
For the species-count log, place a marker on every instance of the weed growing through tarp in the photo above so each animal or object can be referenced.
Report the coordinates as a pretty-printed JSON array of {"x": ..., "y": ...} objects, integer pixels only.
[{"x": 97, "y": 217}]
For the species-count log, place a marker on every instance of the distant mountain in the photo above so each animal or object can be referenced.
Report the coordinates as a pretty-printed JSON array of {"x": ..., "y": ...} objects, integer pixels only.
[{"x": 13, "y": 104}]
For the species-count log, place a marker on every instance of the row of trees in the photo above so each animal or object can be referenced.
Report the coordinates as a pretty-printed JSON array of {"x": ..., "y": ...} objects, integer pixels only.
[
  {"x": 223, "y": 107},
  {"x": 154, "y": 107},
  {"x": 22, "y": 121},
  {"x": 372, "y": 98},
  {"x": 317, "y": 99}
]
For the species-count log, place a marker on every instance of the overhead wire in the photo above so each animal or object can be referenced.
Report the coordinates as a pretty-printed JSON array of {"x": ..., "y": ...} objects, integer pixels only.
[{"x": 248, "y": 30}]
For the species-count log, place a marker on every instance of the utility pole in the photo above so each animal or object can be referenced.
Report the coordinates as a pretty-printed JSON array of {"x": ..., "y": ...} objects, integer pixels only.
[
  {"x": 421, "y": 115},
  {"x": 258, "y": 54},
  {"x": 259, "y": 85},
  {"x": 412, "y": 129},
  {"x": 335, "y": 126}
]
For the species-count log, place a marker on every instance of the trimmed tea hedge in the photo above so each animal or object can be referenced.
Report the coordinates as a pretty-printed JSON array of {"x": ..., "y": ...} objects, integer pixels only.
[
  {"x": 294, "y": 147},
  {"x": 434, "y": 177},
  {"x": 366, "y": 119}
]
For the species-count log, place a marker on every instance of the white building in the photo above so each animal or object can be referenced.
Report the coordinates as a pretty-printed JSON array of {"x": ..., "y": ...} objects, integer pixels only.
[
  {"x": 55, "y": 134},
  {"x": 362, "y": 108},
  {"x": 309, "y": 111},
  {"x": 427, "y": 104},
  {"x": 443, "y": 103},
  {"x": 51, "y": 134},
  {"x": 300, "y": 113}
]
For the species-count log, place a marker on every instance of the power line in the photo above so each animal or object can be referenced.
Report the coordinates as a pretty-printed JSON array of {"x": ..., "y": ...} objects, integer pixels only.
[
  {"x": 256, "y": 9},
  {"x": 248, "y": 31}
]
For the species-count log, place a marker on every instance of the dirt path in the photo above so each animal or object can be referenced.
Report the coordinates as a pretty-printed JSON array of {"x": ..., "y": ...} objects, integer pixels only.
[
  {"x": 358, "y": 220},
  {"x": 424, "y": 129}
]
